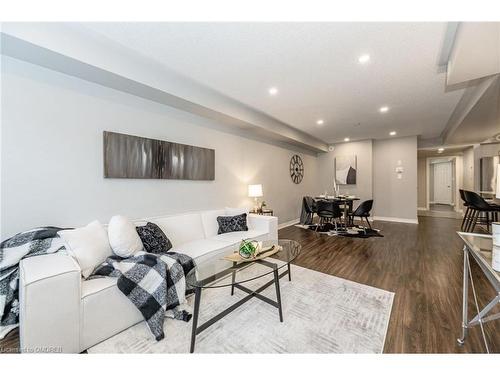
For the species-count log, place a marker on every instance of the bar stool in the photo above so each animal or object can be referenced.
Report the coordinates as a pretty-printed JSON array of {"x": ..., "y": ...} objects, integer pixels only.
[{"x": 480, "y": 207}]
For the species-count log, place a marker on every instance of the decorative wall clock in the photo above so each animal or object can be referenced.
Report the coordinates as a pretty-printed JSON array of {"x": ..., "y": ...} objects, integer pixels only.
[{"x": 296, "y": 169}]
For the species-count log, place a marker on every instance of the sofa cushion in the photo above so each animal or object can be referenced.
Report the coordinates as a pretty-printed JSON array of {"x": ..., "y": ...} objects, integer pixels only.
[
  {"x": 153, "y": 239},
  {"x": 209, "y": 219},
  {"x": 235, "y": 237},
  {"x": 96, "y": 285},
  {"x": 181, "y": 228},
  {"x": 123, "y": 237},
  {"x": 232, "y": 223},
  {"x": 105, "y": 311},
  {"x": 88, "y": 245},
  {"x": 198, "y": 248}
]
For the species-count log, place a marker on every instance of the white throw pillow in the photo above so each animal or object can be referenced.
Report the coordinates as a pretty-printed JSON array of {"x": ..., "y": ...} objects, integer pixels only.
[
  {"x": 89, "y": 246},
  {"x": 123, "y": 237},
  {"x": 233, "y": 211}
]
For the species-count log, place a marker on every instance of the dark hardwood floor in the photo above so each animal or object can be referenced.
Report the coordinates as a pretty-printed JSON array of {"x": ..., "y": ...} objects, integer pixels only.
[{"x": 421, "y": 263}]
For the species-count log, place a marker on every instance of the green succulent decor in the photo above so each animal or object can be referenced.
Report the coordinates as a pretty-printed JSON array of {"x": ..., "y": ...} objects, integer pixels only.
[{"x": 248, "y": 248}]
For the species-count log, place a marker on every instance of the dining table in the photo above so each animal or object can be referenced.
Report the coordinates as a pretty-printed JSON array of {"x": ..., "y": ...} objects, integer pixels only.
[{"x": 345, "y": 200}]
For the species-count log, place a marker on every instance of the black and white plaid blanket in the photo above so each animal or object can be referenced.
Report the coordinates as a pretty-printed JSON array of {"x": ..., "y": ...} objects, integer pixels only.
[
  {"x": 154, "y": 283},
  {"x": 36, "y": 241}
]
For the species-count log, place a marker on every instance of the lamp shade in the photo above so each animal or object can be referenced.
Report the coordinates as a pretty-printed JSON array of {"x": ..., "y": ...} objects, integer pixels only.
[
  {"x": 255, "y": 191},
  {"x": 498, "y": 181}
]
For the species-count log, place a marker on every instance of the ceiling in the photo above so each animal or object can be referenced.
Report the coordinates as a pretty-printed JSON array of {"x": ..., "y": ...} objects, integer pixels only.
[
  {"x": 482, "y": 121},
  {"x": 449, "y": 151},
  {"x": 315, "y": 68}
]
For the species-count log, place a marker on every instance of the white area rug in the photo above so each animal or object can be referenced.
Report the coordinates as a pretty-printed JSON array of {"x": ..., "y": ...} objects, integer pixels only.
[{"x": 322, "y": 314}]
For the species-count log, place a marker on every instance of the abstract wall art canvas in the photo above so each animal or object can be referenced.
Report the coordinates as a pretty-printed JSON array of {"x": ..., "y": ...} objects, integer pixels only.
[
  {"x": 128, "y": 156},
  {"x": 345, "y": 170}
]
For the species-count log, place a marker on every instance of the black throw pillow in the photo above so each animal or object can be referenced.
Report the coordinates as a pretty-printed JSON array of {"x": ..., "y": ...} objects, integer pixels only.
[
  {"x": 153, "y": 238},
  {"x": 232, "y": 223}
]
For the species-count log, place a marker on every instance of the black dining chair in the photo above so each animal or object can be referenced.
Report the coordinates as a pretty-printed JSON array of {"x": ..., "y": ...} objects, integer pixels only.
[
  {"x": 482, "y": 211},
  {"x": 466, "y": 204},
  {"x": 362, "y": 211},
  {"x": 309, "y": 209},
  {"x": 328, "y": 212}
]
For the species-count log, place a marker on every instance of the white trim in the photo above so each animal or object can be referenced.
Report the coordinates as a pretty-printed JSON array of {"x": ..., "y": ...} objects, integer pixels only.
[
  {"x": 421, "y": 208},
  {"x": 396, "y": 219},
  {"x": 289, "y": 223}
]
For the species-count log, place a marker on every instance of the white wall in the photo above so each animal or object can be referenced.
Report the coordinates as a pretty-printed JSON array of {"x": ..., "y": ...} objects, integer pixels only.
[
  {"x": 364, "y": 178},
  {"x": 52, "y": 167},
  {"x": 422, "y": 182},
  {"x": 459, "y": 182},
  {"x": 468, "y": 169},
  {"x": 395, "y": 198}
]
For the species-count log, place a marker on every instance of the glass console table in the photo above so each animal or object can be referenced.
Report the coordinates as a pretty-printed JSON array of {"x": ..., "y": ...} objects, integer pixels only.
[{"x": 479, "y": 248}]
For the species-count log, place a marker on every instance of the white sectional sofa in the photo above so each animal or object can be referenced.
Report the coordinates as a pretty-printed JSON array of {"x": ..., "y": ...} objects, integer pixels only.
[{"x": 60, "y": 309}]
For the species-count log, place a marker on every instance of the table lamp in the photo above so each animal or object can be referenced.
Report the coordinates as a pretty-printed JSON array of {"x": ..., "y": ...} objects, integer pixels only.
[{"x": 255, "y": 192}]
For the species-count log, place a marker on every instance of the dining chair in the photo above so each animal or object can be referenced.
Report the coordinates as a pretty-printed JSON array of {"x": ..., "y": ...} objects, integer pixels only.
[
  {"x": 328, "y": 212},
  {"x": 309, "y": 205},
  {"x": 466, "y": 204},
  {"x": 362, "y": 211},
  {"x": 482, "y": 211}
]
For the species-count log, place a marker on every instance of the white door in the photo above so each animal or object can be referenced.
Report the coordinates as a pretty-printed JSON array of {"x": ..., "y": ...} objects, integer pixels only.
[{"x": 443, "y": 183}]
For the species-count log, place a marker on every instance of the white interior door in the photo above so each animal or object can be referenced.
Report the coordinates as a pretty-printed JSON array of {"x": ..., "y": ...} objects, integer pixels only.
[{"x": 443, "y": 176}]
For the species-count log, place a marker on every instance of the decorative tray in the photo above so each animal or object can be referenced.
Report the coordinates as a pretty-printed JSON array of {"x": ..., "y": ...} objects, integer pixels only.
[{"x": 264, "y": 253}]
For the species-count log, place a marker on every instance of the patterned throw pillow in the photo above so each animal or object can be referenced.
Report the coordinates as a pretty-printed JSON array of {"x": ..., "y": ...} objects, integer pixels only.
[
  {"x": 153, "y": 239},
  {"x": 232, "y": 223}
]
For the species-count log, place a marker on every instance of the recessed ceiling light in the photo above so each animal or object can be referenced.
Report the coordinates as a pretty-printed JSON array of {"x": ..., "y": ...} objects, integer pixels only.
[
  {"x": 392, "y": 133},
  {"x": 383, "y": 109},
  {"x": 363, "y": 59},
  {"x": 320, "y": 122},
  {"x": 273, "y": 91},
  {"x": 440, "y": 149},
  {"x": 347, "y": 139}
]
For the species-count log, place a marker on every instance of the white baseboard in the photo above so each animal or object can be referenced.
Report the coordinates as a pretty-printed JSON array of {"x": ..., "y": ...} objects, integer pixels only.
[
  {"x": 289, "y": 223},
  {"x": 421, "y": 208},
  {"x": 396, "y": 219}
]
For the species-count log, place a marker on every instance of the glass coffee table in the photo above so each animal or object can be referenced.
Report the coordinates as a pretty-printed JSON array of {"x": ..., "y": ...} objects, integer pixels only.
[{"x": 212, "y": 271}]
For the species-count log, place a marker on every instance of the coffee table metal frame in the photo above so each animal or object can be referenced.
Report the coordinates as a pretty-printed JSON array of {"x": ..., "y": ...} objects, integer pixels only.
[{"x": 196, "y": 330}]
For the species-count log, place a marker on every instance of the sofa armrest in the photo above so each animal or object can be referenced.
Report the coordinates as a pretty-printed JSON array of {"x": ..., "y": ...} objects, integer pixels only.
[
  {"x": 264, "y": 223},
  {"x": 49, "y": 296}
]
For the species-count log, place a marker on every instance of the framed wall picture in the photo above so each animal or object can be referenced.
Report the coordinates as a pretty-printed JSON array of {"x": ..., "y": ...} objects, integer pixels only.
[
  {"x": 129, "y": 156},
  {"x": 345, "y": 170}
]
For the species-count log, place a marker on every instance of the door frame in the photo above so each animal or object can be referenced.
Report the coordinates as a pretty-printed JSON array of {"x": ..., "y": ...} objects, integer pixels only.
[{"x": 454, "y": 176}]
